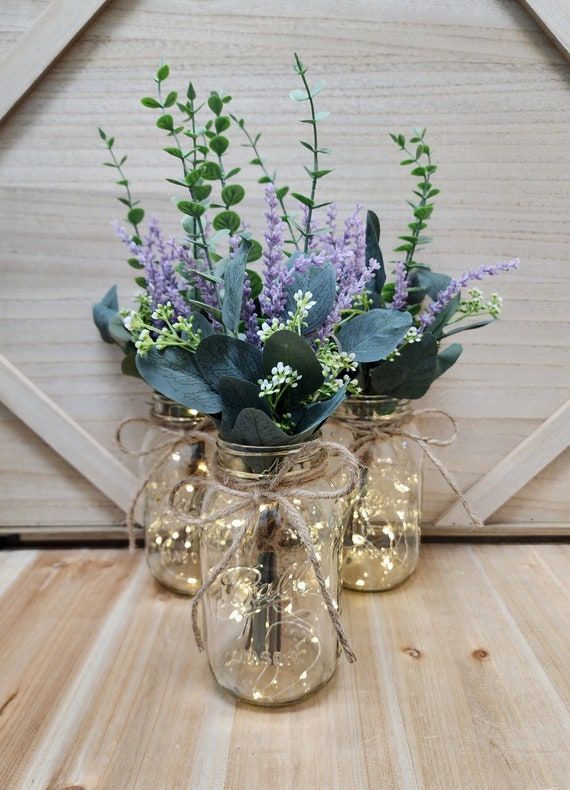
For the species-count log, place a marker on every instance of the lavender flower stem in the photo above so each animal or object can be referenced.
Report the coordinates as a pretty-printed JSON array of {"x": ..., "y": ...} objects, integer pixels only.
[{"x": 445, "y": 296}]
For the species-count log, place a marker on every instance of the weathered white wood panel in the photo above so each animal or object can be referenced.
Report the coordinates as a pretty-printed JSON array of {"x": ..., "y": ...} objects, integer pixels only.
[{"x": 484, "y": 79}]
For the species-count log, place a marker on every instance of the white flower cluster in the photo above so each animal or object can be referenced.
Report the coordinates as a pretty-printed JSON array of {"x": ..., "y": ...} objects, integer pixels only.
[
  {"x": 495, "y": 305},
  {"x": 411, "y": 336},
  {"x": 269, "y": 329},
  {"x": 163, "y": 312},
  {"x": 297, "y": 318},
  {"x": 131, "y": 320},
  {"x": 144, "y": 342},
  {"x": 281, "y": 376},
  {"x": 336, "y": 366},
  {"x": 475, "y": 305},
  {"x": 177, "y": 330}
]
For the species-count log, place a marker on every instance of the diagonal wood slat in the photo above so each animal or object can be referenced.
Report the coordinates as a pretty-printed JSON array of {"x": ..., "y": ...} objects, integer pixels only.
[
  {"x": 49, "y": 36},
  {"x": 553, "y": 16},
  {"x": 65, "y": 436},
  {"x": 515, "y": 469}
]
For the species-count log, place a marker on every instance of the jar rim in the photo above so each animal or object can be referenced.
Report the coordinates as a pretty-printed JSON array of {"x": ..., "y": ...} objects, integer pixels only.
[
  {"x": 255, "y": 461},
  {"x": 377, "y": 399},
  {"x": 235, "y": 448},
  {"x": 169, "y": 411}
]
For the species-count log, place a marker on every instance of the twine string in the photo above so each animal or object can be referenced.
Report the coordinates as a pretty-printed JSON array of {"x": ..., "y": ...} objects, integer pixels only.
[
  {"x": 198, "y": 434},
  {"x": 366, "y": 430},
  {"x": 280, "y": 488}
]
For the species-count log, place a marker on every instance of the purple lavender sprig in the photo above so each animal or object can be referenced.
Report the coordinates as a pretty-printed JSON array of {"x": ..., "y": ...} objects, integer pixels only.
[
  {"x": 455, "y": 287},
  {"x": 272, "y": 298},
  {"x": 249, "y": 314},
  {"x": 278, "y": 271},
  {"x": 159, "y": 256},
  {"x": 353, "y": 272},
  {"x": 400, "y": 300}
]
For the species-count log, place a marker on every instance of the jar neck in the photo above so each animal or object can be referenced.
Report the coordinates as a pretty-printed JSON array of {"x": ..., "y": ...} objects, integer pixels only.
[
  {"x": 250, "y": 462},
  {"x": 375, "y": 408},
  {"x": 169, "y": 414}
]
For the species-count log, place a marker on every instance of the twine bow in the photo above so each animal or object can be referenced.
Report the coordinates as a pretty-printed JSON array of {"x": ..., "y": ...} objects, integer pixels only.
[
  {"x": 366, "y": 429},
  {"x": 201, "y": 433},
  {"x": 279, "y": 488}
]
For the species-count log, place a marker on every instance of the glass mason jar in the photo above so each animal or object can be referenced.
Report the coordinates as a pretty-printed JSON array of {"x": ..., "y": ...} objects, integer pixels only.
[
  {"x": 270, "y": 640},
  {"x": 172, "y": 548},
  {"x": 382, "y": 516}
]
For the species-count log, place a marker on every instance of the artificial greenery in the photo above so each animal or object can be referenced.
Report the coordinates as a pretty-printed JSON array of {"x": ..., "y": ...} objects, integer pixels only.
[
  {"x": 431, "y": 302},
  {"x": 271, "y": 357}
]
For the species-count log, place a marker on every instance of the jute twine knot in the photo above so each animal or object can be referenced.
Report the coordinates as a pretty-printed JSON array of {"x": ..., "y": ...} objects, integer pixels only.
[
  {"x": 286, "y": 483},
  {"x": 202, "y": 432},
  {"x": 366, "y": 431}
]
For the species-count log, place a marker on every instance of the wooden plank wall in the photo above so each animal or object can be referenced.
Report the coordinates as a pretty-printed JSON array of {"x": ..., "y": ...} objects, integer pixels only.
[{"x": 484, "y": 79}]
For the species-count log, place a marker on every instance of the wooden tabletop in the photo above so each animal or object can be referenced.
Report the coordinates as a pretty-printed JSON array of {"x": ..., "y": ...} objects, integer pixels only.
[{"x": 461, "y": 682}]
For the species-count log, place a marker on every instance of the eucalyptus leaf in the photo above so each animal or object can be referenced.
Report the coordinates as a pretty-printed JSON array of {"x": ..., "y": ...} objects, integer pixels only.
[
  {"x": 410, "y": 375},
  {"x": 236, "y": 395},
  {"x": 255, "y": 252},
  {"x": 371, "y": 336},
  {"x": 211, "y": 171},
  {"x": 216, "y": 237},
  {"x": 174, "y": 373},
  {"x": 441, "y": 319},
  {"x": 447, "y": 358},
  {"x": 135, "y": 216},
  {"x": 299, "y": 95},
  {"x": 227, "y": 219},
  {"x": 428, "y": 283},
  {"x": 318, "y": 87},
  {"x": 288, "y": 347},
  {"x": 321, "y": 282},
  {"x": 373, "y": 251},
  {"x": 219, "y": 355},
  {"x": 213, "y": 311},
  {"x": 219, "y": 144},
  {"x": 467, "y": 327},
  {"x": 234, "y": 276},
  {"x": 316, "y": 413},
  {"x": 104, "y": 311},
  {"x": 201, "y": 322},
  {"x": 255, "y": 428},
  {"x": 129, "y": 365},
  {"x": 256, "y": 283},
  {"x": 233, "y": 194},
  {"x": 119, "y": 332},
  {"x": 192, "y": 209}
]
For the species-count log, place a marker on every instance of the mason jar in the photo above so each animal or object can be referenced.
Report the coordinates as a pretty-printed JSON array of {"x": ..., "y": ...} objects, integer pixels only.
[
  {"x": 382, "y": 516},
  {"x": 270, "y": 639},
  {"x": 169, "y": 455}
]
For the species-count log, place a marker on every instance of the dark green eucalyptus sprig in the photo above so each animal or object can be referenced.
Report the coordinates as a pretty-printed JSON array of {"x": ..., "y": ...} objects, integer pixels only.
[
  {"x": 267, "y": 177},
  {"x": 203, "y": 165},
  {"x": 422, "y": 167},
  {"x": 308, "y": 94},
  {"x": 135, "y": 214}
]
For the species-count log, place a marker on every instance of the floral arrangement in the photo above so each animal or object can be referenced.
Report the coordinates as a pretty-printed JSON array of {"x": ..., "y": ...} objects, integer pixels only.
[
  {"x": 270, "y": 357},
  {"x": 433, "y": 301}
]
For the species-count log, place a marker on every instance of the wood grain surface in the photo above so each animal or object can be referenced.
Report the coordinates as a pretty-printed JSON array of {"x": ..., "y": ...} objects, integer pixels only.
[
  {"x": 461, "y": 682},
  {"x": 40, "y": 46},
  {"x": 484, "y": 79},
  {"x": 553, "y": 16}
]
